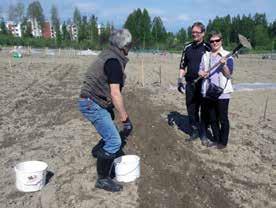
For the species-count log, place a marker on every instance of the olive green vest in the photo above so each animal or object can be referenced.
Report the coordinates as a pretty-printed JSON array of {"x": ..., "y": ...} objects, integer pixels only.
[{"x": 95, "y": 84}]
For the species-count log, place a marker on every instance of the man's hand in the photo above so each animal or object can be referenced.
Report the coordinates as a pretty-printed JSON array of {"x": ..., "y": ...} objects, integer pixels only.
[
  {"x": 127, "y": 127},
  {"x": 180, "y": 85},
  {"x": 203, "y": 74}
]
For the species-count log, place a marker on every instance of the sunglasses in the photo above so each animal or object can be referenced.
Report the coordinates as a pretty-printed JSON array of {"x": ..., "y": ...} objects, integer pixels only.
[
  {"x": 217, "y": 40},
  {"x": 197, "y": 33}
]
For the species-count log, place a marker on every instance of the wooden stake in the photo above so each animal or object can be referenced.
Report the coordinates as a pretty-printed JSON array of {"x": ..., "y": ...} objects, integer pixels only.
[
  {"x": 142, "y": 73},
  {"x": 160, "y": 75},
  {"x": 266, "y": 103},
  {"x": 59, "y": 51}
]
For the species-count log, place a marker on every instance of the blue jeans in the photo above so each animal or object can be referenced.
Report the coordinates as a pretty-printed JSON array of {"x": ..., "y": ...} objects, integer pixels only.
[{"x": 102, "y": 121}]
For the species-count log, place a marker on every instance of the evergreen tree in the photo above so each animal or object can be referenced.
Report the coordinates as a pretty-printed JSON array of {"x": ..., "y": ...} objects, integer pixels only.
[
  {"x": 130, "y": 25},
  {"x": 77, "y": 17},
  {"x": 134, "y": 25},
  {"x": 272, "y": 29},
  {"x": 65, "y": 33},
  {"x": 145, "y": 32},
  {"x": 3, "y": 29},
  {"x": 56, "y": 24},
  {"x": 260, "y": 19},
  {"x": 93, "y": 29},
  {"x": 158, "y": 30},
  {"x": 261, "y": 40},
  {"x": 55, "y": 18},
  {"x": 35, "y": 12},
  {"x": 16, "y": 12},
  {"x": 105, "y": 33},
  {"x": 181, "y": 36}
]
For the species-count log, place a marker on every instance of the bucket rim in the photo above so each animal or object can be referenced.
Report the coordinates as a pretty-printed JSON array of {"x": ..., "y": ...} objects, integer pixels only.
[
  {"x": 26, "y": 171},
  {"x": 118, "y": 158}
]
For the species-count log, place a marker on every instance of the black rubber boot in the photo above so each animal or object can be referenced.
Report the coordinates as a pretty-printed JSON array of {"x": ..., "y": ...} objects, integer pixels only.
[
  {"x": 104, "y": 165},
  {"x": 97, "y": 147},
  {"x": 118, "y": 154}
]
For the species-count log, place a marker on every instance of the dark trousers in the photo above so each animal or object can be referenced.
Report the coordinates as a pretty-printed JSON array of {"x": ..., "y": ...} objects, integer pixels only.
[
  {"x": 216, "y": 113},
  {"x": 193, "y": 102}
]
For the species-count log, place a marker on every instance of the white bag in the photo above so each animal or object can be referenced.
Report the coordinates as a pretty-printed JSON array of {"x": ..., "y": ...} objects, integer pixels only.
[{"x": 222, "y": 81}]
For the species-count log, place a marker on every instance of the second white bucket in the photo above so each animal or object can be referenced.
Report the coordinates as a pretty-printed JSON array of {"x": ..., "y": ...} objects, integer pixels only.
[
  {"x": 30, "y": 175},
  {"x": 127, "y": 168}
]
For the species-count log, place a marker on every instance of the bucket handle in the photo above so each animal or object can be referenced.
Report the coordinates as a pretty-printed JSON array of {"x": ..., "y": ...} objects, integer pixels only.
[
  {"x": 129, "y": 171},
  {"x": 33, "y": 180},
  {"x": 33, "y": 184}
]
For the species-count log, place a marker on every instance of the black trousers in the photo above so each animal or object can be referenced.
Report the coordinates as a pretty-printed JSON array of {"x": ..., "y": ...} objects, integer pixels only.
[
  {"x": 193, "y": 102},
  {"x": 216, "y": 114}
]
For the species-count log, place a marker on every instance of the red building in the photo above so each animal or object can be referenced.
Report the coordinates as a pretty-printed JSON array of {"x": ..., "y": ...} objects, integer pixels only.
[{"x": 48, "y": 30}]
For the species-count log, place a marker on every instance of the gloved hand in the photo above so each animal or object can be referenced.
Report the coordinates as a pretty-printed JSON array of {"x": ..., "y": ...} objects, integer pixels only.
[
  {"x": 127, "y": 127},
  {"x": 180, "y": 85}
]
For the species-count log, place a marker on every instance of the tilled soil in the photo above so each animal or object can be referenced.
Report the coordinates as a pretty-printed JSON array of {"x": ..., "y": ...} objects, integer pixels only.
[
  {"x": 172, "y": 174},
  {"x": 39, "y": 120}
]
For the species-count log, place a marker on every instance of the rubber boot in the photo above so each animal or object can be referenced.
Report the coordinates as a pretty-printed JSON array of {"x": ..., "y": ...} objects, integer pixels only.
[
  {"x": 104, "y": 165},
  {"x": 97, "y": 147},
  {"x": 118, "y": 154}
]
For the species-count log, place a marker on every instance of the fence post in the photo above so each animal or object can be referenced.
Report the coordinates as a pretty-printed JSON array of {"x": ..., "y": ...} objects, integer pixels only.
[{"x": 142, "y": 72}]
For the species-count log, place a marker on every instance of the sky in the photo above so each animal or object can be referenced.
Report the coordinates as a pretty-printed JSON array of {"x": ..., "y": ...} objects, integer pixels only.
[{"x": 174, "y": 13}]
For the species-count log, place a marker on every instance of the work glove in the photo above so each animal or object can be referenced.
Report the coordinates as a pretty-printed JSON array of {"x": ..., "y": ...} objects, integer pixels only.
[
  {"x": 180, "y": 85},
  {"x": 127, "y": 127}
]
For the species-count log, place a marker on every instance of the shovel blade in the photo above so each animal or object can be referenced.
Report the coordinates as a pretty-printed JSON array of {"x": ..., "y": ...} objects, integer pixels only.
[{"x": 244, "y": 42}]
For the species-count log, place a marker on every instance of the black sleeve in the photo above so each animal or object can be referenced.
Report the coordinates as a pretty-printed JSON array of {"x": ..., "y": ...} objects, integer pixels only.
[
  {"x": 183, "y": 61},
  {"x": 113, "y": 71}
]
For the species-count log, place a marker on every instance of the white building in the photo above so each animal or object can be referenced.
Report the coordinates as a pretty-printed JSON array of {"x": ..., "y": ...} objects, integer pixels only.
[
  {"x": 14, "y": 28},
  {"x": 36, "y": 29},
  {"x": 100, "y": 28},
  {"x": 73, "y": 31}
]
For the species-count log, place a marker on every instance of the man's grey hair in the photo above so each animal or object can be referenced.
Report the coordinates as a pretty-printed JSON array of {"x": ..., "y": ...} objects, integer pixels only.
[{"x": 120, "y": 38}]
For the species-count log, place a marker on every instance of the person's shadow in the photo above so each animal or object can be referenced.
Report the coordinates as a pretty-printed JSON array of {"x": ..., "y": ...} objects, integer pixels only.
[
  {"x": 179, "y": 120},
  {"x": 182, "y": 123}
]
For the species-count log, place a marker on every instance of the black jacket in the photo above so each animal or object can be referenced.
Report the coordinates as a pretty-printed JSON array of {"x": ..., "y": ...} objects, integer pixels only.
[{"x": 191, "y": 58}]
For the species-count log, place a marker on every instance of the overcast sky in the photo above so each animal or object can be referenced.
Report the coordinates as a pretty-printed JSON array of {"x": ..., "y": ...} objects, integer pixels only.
[{"x": 174, "y": 13}]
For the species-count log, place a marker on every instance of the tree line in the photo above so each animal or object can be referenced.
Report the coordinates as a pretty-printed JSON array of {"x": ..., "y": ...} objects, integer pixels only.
[{"x": 147, "y": 33}]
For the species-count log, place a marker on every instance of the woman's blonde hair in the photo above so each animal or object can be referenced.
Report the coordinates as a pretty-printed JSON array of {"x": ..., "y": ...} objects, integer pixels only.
[{"x": 215, "y": 33}]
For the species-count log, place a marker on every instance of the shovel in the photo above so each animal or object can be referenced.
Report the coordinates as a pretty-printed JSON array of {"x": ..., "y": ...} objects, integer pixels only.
[{"x": 243, "y": 43}]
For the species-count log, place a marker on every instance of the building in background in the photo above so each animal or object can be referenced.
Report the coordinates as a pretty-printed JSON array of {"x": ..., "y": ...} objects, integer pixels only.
[
  {"x": 36, "y": 29},
  {"x": 100, "y": 29},
  {"x": 48, "y": 30},
  {"x": 14, "y": 28},
  {"x": 73, "y": 31}
]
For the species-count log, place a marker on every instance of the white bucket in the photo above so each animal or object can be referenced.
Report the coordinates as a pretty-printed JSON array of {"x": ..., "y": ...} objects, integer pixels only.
[
  {"x": 30, "y": 175},
  {"x": 127, "y": 168}
]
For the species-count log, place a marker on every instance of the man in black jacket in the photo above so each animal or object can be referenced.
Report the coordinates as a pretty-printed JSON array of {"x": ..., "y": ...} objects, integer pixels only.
[
  {"x": 100, "y": 93},
  {"x": 189, "y": 67}
]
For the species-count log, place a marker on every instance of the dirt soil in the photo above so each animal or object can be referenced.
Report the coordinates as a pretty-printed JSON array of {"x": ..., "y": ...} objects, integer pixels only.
[{"x": 40, "y": 120}]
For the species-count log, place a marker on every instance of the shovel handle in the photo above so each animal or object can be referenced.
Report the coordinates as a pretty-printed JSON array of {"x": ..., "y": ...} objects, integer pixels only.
[{"x": 218, "y": 63}]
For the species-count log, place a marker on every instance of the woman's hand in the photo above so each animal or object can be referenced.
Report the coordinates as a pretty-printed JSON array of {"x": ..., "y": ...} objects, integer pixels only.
[
  {"x": 203, "y": 74},
  {"x": 222, "y": 61}
]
